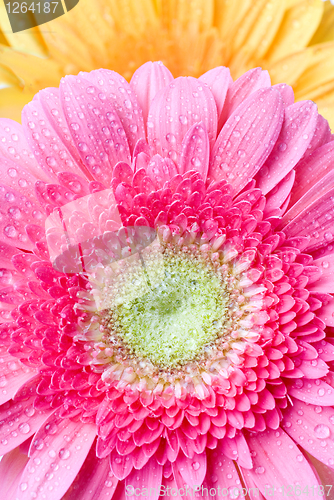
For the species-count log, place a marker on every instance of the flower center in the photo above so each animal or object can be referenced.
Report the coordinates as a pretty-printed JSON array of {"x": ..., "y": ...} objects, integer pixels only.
[{"x": 170, "y": 308}]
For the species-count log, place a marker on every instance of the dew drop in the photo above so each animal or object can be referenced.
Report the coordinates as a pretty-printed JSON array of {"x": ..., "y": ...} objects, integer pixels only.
[
  {"x": 12, "y": 172},
  {"x": 10, "y": 231},
  {"x": 322, "y": 431},
  {"x": 24, "y": 428},
  {"x": 23, "y": 486},
  {"x": 196, "y": 465},
  {"x": 64, "y": 454},
  {"x": 82, "y": 146},
  {"x": 51, "y": 161},
  {"x": 51, "y": 428}
]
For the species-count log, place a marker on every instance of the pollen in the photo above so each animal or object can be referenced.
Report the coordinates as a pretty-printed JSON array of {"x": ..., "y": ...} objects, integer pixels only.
[{"x": 178, "y": 313}]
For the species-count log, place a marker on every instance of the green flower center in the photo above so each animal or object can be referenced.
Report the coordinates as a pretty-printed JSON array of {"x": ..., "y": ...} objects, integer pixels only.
[{"x": 170, "y": 309}]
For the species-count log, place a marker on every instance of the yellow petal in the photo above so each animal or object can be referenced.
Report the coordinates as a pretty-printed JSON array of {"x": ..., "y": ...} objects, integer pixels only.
[
  {"x": 12, "y": 100},
  {"x": 34, "y": 71},
  {"x": 325, "y": 31},
  {"x": 195, "y": 14},
  {"x": 318, "y": 78},
  {"x": 254, "y": 35},
  {"x": 228, "y": 14},
  {"x": 326, "y": 107},
  {"x": 29, "y": 41},
  {"x": 132, "y": 16},
  {"x": 289, "y": 69},
  {"x": 298, "y": 26}
]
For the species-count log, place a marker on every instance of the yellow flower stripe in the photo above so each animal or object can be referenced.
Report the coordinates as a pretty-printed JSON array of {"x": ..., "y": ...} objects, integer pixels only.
[{"x": 293, "y": 39}]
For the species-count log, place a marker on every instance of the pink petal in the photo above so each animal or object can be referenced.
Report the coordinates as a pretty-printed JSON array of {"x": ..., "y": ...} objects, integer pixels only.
[
  {"x": 121, "y": 466},
  {"x": 247, "y": 138},
  {"x": 315, "y": 392},
  {"x": 278, "y": 462},
  {"x": 57, "y": 453},
  {"x": 314, "y": 220},
  {"x": 18, "y": 213},
  {"x": 26, "y": 421},
  {"x": 147, "y": 81},
  {"x": 195, "y": 151},
  {"x": 95, "y": 127},
  {"x": 174, "y": 110},
  {"x": 326, "y": 313},
  {"x": 95, "y": 481},
  {"x": 124, "y": 101},
  {"x": 16, "y": 177},
  {"x": 322, "y": 135},
  {"x": 222, "y": 473},
  {"x": 15, "y": 148},
  {"x": 311, "y": 170},
  {"x": 160, "y": 170},
  {"x": 50, "y": 151},
  {"x": 320, "y": 189},
  {"x": 286, "y": 92},
  {"x": 243, "y": 87},
  {"x": 218, "y": 80},
  {"x": 300, "y": 120},
  {"x": 192, "y": 470},
  {"x": 13, "y": 374},
  {"x": 312, "y": 427},
  {"x": 244, "y": 457},
  {"x": 149, "y": 477},
  {"x": 11, "y": 468},
  {"x": 52, "y": 105},
  {"x": 277, "y": 196},
  {"x": 325, "y": 283}
]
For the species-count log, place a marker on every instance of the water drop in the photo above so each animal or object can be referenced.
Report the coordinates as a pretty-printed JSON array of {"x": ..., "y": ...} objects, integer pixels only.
[
  {"x": 24, "y": 428},
  {"x": 64, "y": 454},
  {"x": 12, "y": 172},
  {"x": 51, "y": 428},
  {"x": 322, "y": 431},
  {"x": 51, "y": 161},
  {"x": 183, "y": 119}
]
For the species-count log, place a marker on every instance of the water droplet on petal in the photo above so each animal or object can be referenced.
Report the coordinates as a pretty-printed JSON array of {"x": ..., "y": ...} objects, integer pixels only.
[
  {"x": 24, "y": 428},
  {"x": 64, "y": 454},
  {"x": 322, "y": 431}
]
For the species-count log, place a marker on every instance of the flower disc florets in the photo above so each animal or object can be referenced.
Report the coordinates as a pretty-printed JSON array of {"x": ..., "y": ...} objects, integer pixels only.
[{"x": 167, "y": 288}]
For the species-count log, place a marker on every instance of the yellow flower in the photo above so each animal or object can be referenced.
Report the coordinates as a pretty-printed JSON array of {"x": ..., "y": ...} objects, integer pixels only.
[{"x": 293, "y": 39}]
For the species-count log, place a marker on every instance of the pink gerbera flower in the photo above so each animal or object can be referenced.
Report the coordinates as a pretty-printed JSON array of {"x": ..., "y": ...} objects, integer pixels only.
[{"x": 166, "y": 308}]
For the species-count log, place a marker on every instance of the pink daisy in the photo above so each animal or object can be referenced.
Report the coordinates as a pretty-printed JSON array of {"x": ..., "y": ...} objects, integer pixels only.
[{"x": 166, "y": 290}]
